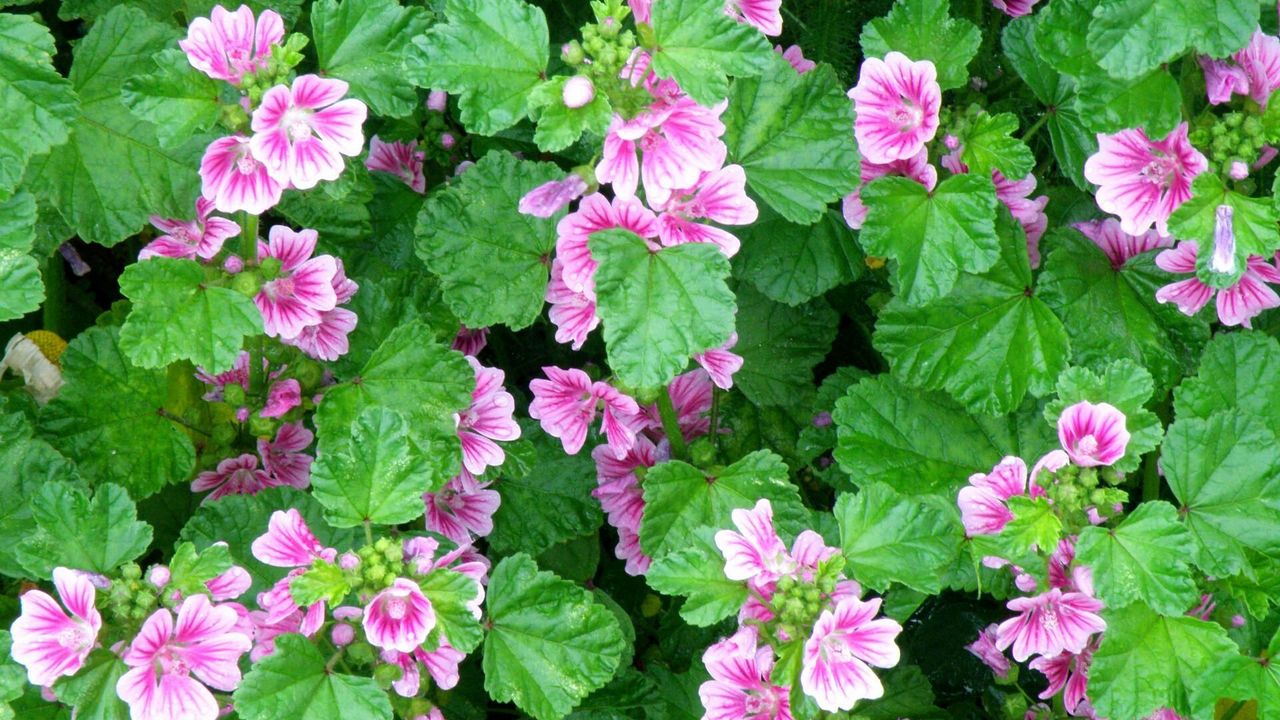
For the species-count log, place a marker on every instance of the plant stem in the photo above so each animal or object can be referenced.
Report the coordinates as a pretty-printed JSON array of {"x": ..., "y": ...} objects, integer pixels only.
[
  {"x": 1035, "y": 126},
  {"x": 368, "y": 533},
  {"x": 1233, "y": 710},
  {"x": 54, "y": 310},
  {"x": 333, "y": 659},
  {"x": 715, "y": 416},
  {"x": 671, "y": 426},
  {"x": 1150, "y": 481},
  {"x": 257, "y": 374},
  {"x": 249, "y": 238}
]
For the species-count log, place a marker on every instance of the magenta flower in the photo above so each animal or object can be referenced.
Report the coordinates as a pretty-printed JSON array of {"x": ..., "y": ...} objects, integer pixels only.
[
  {"x": 984, "y": 648},
  {"x": 283, "y": 396},
  {"x": 233, "y": 476},
  {"x": 565, "y": 404},
  {"x": 229, "y": 585},
  {"x": 897, "y": 102},
  {"x": 640, "y": 9},
  {"x": 1015, "y": 8},
  {"x": 284, "y": 460},
  {"x": 403, "y": 160},
  {"x": 235, "y": 180},
  {"x": 1143, "y": 180},
  {"x": 399, "y": 618},
  {"x": 1028, "y": 212},
  {"x": 1069, "y": 672},
  {"x": 203, "y": 642},
  {"x": 1260, "y": 61},
  {"x": 677, "y": 139},
  {"x": 573, "y": 312},
  {"x": 721, "y": 364},
  {"x": 795, "y": 56},
  {"x": 265, "y": 632},
  {"x": 229, "y": 45},
  {"x": 200, "y": 238},
  {"x": 47, "y": 641},
  {"x": 691, "y": 395},
  {"x": 488, "y": 418},
  {"x": 1093, "y": 435},
  {"x": 1050, "y": 623},
  {"x": 765, "y": 15},
  {"x": 1237, "y": 305},
  {"x": 755, "y": 552},
  {"x": 621, "y": 498},
  {"x": 719, "y": 196},
  {"x": 845, "y": 642},
  {"x": 237, "y": 375},
  {"x": 463, "y": 508},
  {"x": 549, "y": 198},
  {"x": 301, "y": 132},
  {"x": 279, "y": 605},
  {"x": 303, "y": 290},
  {"x": 327, "y": 339},
  {"x": 470, "y": 341},
  {"x": 442, "y": 663},
  {"x": 916, "y": 167},
  {"x": 1222, "y": 80},
  {"x": 288, "y": 542},
  {"x": 983, "y": 504},
  {"x": 596, "y": 213},
  {"x": 1118, "y": 245},
  {"x": 740, "y": 687}
]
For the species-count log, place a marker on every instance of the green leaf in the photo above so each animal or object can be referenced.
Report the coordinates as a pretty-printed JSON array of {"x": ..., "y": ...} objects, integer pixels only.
[
  {"x": 890, "y": 538},
  {"x": 697, "y": 574},
  {"x": 1050, "y": 87},
  {"x": 549, "y": 503},
  {"x": 13, "y": 677},
  {"x": 373, "y": 474},
  {"x": 1143, "y": 559},
  {"x": 794, "y": 263},
  {"x": 490, "y": 52},
  {"x": 1237, "y": 678},
  {"x": 449, "y": 593},
  {"x": 293, "y": 682},
  {"x": 21, "y": 287},
  {"x": 679, "y": 499},
  {"x": 92, "y": 690},
  {"x": 39, "y": 103},
  {"x": 1072, "y": 142},
  {"x": 559, "y": 125},
  {"x": 988, "y": 344},
  {"x": 1235, "y": 373},
  {"x": 550, "y": 643},
  {"x": 363, "y": 42},
  {"x": 177, "y": 99},
  {"x": 1112, "y": 313},
  {"x": 113, "y": 172},
  {"x": 932, "y": 236},
  {"x": 423, "y": 381},
  {"x": 1225, "y": 474},
  {"x": 189, "y": 570},
  {"x": 924, "y": 30},
  {"x": 1109, "y": 105},
  {"x": 490, "y": 277},
  {"x": 176, "y": 315},
  {"x": 95, "y": 534},
  {"x": 1124, "y": 384},
  {"x": 1061, "y": 37},
  {"x": 920, "y": 442},
  {"x": 790, "y": 132},
  {"x": 1034, "y": 526},
  {"x": 388, "y": 300},
  {"x": 1253, "y": 219},
  {"x": 320, "y": 582},
  {"x": 698, "y": 44},
  {"x": 659, "y": 308},
  {"x": 106, "y": 416},
  {"x": 1148, "y": 661},
  {"x": 990, "y": 145},
  {"x": 1133, "y": 37},
  {"x": 40, "y": 465},
  {"x": 780, "y": 346}
]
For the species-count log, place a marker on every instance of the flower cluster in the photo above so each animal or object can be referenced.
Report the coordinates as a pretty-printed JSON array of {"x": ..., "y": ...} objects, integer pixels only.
[{"x": 798, "y": 599}]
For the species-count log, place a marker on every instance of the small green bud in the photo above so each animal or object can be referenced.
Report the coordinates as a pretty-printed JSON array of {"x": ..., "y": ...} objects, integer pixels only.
[
  {"x": 384, "y": 675},
  {"x": 234, "y": 394},
  {"x": 375, "y": 573},
  {"x": 648, "y": 39},
  {"x": 271, "y": 268},
  {"x": 394, "y": 553},
  {"x": 572, "y": 54},
  {"x": 246, "y": 283},
  {"x": 361, "y": 652},
  {"x": 131, "y": 571},
  {"x": 382, "y": 544},
  {"x": 263, "y": 427}
]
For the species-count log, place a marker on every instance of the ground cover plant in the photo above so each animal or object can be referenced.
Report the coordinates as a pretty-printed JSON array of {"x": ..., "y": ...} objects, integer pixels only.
[{"x": 655, "y": 359}]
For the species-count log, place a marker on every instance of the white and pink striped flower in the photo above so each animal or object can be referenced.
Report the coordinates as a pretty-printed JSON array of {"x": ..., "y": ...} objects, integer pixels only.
[
  {"x": 200, "y": 238},
  {"x": 403, "y": 160},
  {"x": 399, "y": 618},
  {"x": 1143, "y": 180},
  {"x": 48, "y": 642},
  {"x": 303, "y": 290},
  {"x": 289, "y": 542},
  {"x": 720, "y": 363},
  {"x": 1093, "y": 435},
  {"x": 229, "y": 45},
  {"x": 489, "y": 417},
  {"x": 718, "y": 195},
  {"x": 234, "y": 180},
  {"x": 898, "y": 101},
  {"x": 302, "y": 131},
  {"x": 463, "y": 509},
  {"x": 283, "y": 458},
  {"x": 838, "y": 656},
  {"x": 1050, "y": 623},
  {"x": 755, "y": 552},
  {"x": 740, "y": 686}
]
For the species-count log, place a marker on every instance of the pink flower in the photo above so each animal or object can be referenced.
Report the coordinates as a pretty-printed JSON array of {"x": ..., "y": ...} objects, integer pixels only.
[
  {"x": 621, "y": 498},
  {"x": 1050, "y": 623},
  {"x": 1260, "y": 61},
  {"x": 1118, "y": 245},
  {"x": 403, "y": 160},
  {"x": 721, "y": 364},
  {"x": 984, "y": 648},
  {"x": 1029, "y": 213},
  {"x": 550, "y": 197},
  {"x": 1015, "y": 8},
  {"x": 463, "y": 507},
  {"x": 284, "y": 459},
  {"x": 640, "y": 9},
  {"x": 578, "y": 91},
  {"x": 237, "y": 375},
  {"x": 230, "y": 585},
  {"x": 766, "y": 15},
  {"x": 235, "y": 180},
  {"x": 755, "y": 552},
  {"x": 202, "y": 237},
  {"x": 719, "y": 196},
  {"x": 795, "y": 56},
  {"x": 1093, "y": 435},
  {"x": 845, "y": 641},
  {"x": 916, "y": 167},
  {"x": 282, "y": 397},
  {"x": 677, "y": 139},
  {"x": 897, "y": 102},
  {"x": 691, "y": 395},
  {"x": 1237, "y": 305},
  {"x": 279, "y": 605},
  {"x": 573, "y": 312},
  {"x": 203, "y": 642},
  {"x": 596, "y": 213},
  {"x": 740, "y": 688},
  {"x": 288, "y": 542},
  {"x": 1143, "y": 180},
  {"x": 565, "y": 404},
  {"x": 301, "y": 132},
  {"x": 488, "y": 418},
  {"x": 470, "y": 341},
  {"x": 983, "y": 504},
  {"x": 228, "y": 45},
  {"x": 47, "y": 641},
  {"x": 233, "y": 476},
  {"x": 327, "y": 339},
  {"x": 1222, "y": 80},
  {"x": 1069, "y": 671},
  {"x": 399, "y": 618},
  {"x": 266, "y": 631},
  {"x": 303, "y": 290}
]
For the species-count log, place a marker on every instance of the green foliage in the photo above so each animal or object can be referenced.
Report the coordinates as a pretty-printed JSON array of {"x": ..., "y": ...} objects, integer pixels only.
[
  {"x": 75, "y": 530},
  {"x": 780, "y": 345},
  {"x": 39, "y": 102},
  {"x": 40, "y": 465},
  {"x": 363, "y": 42},
  {"x": 1234, "y": 373},
  {"x": 1133, "y": 37},
  {"x": 794, "y": 263},
  {"x": 1123, "y": 384},
  {"x": 559, "y": 125},
  {"x": 177, "y": 99},
  {"x": 21, "y": 287},
  {"x": 92, "y": 691},
  {"x": 696, "y": 572},
  {"x": 990, "y": 145},
  {"x": 890, "y": 538},
  {"x": 1253, "y": 219},
  {"x": 1143, "y": 559},
  {"x": 698, "y": 45},
  {"x": 924, "y": 30},
  {"x": 294, "y": 682},
  {"x": 450, "y": 594},
  {"x": 189, "y": 570},
  {"x": 659, "y": 308}
]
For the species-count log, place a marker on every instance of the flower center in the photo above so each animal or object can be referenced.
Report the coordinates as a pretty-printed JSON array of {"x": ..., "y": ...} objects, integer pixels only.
[
  {"x": 278, "y": 288},
  {"x": 1161, "y": 171},
  {"x": 77, "y": 637},
  {"x": 907, "y": 116},
  {"x": 650, "y": 141},
  {"x": 172, "y": 664},
  {"x": 396, "y": 608},
  {"x": 1049, "y": 618},
  {"x": 246, "y": 164},
  {"x": 1087, "y": 445},
  {"x": 297, "y": 124}
]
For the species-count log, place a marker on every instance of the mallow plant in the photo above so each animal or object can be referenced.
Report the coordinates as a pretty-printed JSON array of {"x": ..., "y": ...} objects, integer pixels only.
[{"x": 652, "y": 359}]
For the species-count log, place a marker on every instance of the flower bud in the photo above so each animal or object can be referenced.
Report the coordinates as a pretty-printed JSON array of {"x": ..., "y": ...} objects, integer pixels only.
[
  {"x": 242, "y": 414},
  {"x": 159, "y": 575},
  {"x": 1239, "y": 170},
  {"x": 384, "y": 675},
  {"x": 572, "y": 54},
  {"x": 349, "y": 561},
  {"x": 247, "y": 284},
  {"x": 131, "y": 571},
  {"x": 578, "y": 91},
  {"x": 437, "y": 101},
  {"x": 342, "y": 635}
]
